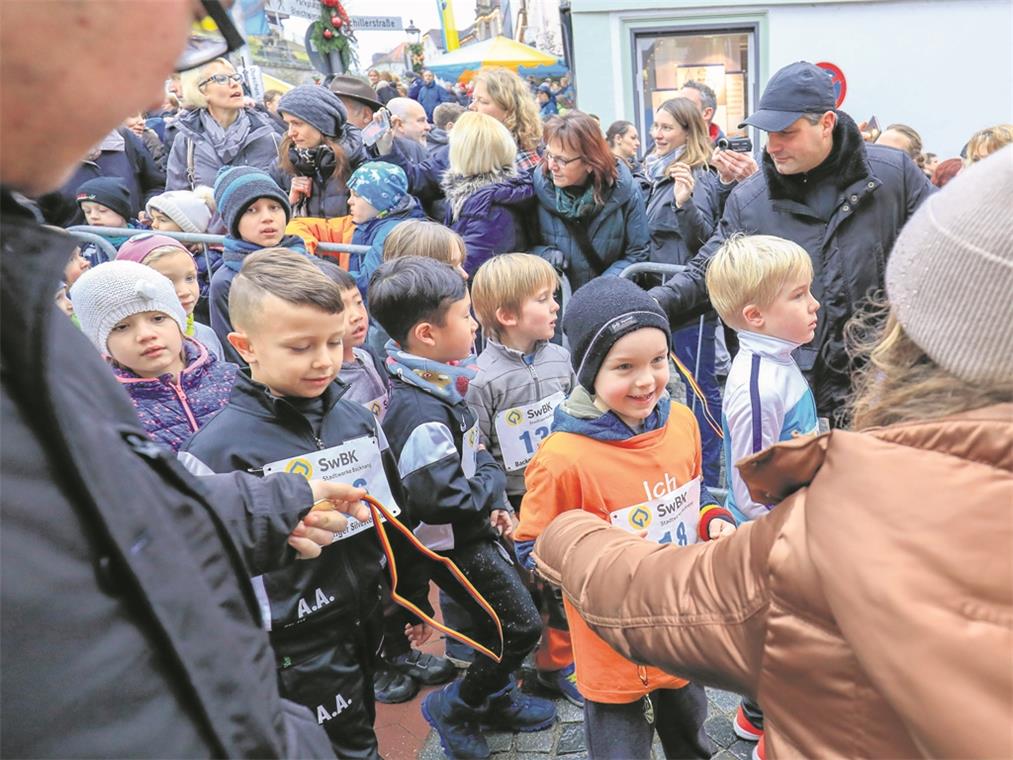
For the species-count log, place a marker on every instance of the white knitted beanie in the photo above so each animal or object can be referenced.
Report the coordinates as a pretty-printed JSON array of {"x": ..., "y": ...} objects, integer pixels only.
[
  {"x": 111, "y": 292},
  {"x": 950, "y": 275},
  {"x": 185, "y": 207}
]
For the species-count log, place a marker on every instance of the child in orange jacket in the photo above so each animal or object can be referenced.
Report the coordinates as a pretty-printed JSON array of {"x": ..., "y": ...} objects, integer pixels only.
[{"x": 622, "y": 449}]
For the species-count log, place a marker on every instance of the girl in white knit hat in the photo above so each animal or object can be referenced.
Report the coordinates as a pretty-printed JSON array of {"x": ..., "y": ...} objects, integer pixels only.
[{"x": 133, "y": 316}]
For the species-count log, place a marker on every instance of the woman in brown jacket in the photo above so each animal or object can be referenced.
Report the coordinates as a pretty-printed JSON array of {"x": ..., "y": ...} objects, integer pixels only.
[{"x": 871, "y": 612}]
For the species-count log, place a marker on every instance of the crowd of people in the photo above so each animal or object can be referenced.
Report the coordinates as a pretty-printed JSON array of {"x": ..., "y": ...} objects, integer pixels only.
[{"x": 190, "y": 418}]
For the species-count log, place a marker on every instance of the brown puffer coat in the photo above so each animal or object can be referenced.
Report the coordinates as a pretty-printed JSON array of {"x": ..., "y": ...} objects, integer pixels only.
[{"x": 871, "y": 612}]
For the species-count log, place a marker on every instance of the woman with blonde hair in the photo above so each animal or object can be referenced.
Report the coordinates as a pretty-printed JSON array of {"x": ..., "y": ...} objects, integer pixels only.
[
  {"x": 681, "y": 215},
  {"x": 218, "y": 130},
  {"x": 503, "y": 95},
  {"x": 987, "y": 141},
  {"x": 486, "y": 197},
  {"x": 879, "y": 587}
]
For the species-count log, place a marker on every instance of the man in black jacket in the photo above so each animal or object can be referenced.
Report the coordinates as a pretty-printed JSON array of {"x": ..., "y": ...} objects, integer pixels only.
[
  {"x": 127, "y": 622},
  {"x": 822, "y": 187}
]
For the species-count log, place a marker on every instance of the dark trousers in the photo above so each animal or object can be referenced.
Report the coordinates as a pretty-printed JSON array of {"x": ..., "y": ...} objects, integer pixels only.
[
  {"x": 694, "y": 345},
  {"x": 487, "y": 566},
  {"x": 619, "y": 732},
  {"x": 329, "y": 668},
  {"x": 752, "y": 710}
]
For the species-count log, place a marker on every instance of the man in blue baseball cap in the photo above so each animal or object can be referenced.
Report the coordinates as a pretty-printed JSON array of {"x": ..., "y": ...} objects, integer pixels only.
[{"x": 823, "y": 187}]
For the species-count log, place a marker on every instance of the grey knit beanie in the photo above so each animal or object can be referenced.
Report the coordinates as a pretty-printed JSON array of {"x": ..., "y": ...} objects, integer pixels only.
[
  {"x": 184, "y": 207},
  {"x": 317, "y": 106},
  {"x": 599, "y": 314},
  {"x": 237, "y": 187},
  {"x": 950, "y": 275},
  {"x": 111, "y": 292}
]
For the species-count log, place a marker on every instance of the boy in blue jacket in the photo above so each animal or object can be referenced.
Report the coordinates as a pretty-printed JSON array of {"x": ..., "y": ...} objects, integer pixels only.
[
  {"x": 378, "y": 201},
  {"x": 760, "y": 286},
  {"x": 455, "y": 488},
  {"x": 288, "y": 414}
]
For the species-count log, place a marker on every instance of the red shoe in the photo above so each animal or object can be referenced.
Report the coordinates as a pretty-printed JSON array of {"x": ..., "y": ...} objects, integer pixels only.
[
  {"x": 745, "y": 728},
  {"x": 760, "y": 750}
]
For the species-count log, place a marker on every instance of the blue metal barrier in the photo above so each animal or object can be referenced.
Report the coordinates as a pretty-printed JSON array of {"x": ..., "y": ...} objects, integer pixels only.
[{"x": 89, "y": 233}]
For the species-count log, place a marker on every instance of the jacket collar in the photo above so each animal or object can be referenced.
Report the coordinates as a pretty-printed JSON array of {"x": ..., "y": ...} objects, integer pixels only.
[
  {"x": 982, "y": 435},
  {"x": 768, "y": 346},
  {"x": 512, "y": 354},
  {"x": 254, "y": 397},
  {"x": 846, "y": 165},
  {"x": 620, "y": 194},
  {"x": 578, "y": 414}
]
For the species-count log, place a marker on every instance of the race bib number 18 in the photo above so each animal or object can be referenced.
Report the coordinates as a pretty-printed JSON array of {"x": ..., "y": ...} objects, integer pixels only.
[
  {"x": 357, "y": 463},
  {"x": 670, "y": 519}
]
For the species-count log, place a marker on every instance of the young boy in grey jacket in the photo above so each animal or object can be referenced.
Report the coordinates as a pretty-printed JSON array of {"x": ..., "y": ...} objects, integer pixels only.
[{"x": 521, "y": 379}]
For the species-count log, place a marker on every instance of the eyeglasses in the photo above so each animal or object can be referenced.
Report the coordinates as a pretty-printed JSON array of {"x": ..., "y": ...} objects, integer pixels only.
[
  {"x": 211, "y": 37},
  {"x": 222, "y": 79},
  {"x": 559, "y": 160}
]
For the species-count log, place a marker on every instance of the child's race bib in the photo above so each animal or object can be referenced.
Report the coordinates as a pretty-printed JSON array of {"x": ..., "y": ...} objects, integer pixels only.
[
  {"x": 522, "y": 429},
  {"x": 672, "y": 518},
  {"x": 378, "y": 406},
  {"x": 470, "y": 452},
  {"x": 357, "y": 463}
]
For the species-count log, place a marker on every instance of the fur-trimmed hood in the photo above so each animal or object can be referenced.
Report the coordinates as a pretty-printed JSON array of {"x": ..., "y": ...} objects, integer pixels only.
[{"x": 503, "y": 186}]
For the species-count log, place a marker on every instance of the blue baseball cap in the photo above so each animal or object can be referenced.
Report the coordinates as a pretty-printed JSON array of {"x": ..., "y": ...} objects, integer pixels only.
[{"x": 792, "y": 92}]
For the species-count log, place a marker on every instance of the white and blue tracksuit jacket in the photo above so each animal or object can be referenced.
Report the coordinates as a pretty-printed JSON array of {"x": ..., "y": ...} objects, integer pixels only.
[{"x": 766, "y": 400}]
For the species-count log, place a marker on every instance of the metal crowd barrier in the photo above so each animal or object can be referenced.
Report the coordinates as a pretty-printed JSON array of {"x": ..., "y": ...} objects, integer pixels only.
[
  {"x": 650, "y": 267},
  {"x": 97, "y": 235}
]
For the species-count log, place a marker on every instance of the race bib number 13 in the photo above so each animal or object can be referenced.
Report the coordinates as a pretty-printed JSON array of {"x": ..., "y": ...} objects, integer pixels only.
[{"x": 522, "y": 429}]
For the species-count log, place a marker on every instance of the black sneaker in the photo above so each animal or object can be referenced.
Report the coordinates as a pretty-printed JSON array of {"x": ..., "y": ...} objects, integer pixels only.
[
  {"x": 392, "y": 686},
  {"x": 427, "y": 669}
]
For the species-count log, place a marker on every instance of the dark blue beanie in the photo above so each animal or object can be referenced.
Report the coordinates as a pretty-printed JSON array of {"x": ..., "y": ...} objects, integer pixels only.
[
  {"x": 317, "y": 106},
  {"x": 237, "y": 187},
  {"x": 109, "y": 192},
  {"x": 599, "y": 314}
]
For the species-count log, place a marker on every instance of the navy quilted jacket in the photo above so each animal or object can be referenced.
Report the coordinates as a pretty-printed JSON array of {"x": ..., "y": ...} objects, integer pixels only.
[{"x": 172, "y": 412}]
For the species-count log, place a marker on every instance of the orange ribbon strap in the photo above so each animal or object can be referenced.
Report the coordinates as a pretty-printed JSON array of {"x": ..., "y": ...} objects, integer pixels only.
[
  {"x": 377, "y": 509},
  {"x": 691, "y": 381}
]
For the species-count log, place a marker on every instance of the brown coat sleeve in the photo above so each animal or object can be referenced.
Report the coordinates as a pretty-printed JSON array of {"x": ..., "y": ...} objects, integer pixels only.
[{"x": 699, "y": 612}]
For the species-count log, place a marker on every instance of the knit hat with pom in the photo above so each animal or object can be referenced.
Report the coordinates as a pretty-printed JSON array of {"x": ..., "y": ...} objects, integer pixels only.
[{"x": 111, "y": 292}]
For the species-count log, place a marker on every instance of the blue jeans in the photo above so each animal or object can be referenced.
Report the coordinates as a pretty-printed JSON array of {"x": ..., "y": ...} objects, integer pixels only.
[{"x": 694, "y": 345}]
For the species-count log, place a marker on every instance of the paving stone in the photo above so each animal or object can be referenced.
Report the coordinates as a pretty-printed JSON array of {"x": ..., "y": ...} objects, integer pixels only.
[
  {"x": 724, "y": 755},
  {"x": 569, "y": 712},
  {"x": 536, "y": 741},
  {"x": 533, "y": 756},
  {"x": 571, "y": 739},
  {"x": 743, "y": 750},
  {"x": 725, "y": 700},
  {"x": 431, "y": 749},
  {"x": 500, "y": 741},
  {"x": 719, "y": 728}
]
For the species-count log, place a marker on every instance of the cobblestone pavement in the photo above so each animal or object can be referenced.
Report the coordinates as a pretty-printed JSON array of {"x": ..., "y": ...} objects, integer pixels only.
[{"x": 565, "y": 740}]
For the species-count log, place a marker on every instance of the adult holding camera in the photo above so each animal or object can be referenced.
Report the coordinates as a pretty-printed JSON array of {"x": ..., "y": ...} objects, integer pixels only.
[
  {"x": 681, "y": 216},
  {"x": 219, "y": 130},
  {"x": 129, "y": 625},
  {"x": 319, "y": 152},
  {"x": 824, "y": 188}
]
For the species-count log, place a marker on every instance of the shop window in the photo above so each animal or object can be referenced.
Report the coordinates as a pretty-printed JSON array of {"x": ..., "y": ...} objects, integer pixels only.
[{"x": 722, "y": 59}]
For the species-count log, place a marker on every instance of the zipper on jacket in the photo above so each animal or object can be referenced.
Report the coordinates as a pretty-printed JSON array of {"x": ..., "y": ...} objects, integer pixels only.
[
  {"x": 534, "y": 376},
  {"x": 177, "y": 388}
]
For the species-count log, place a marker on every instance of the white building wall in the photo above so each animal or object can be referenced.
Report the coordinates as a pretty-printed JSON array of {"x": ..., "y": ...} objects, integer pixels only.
[{"x": 944, "y": 67}]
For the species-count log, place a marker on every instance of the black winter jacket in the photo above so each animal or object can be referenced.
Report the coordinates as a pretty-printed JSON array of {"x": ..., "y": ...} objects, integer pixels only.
[
  {"x": 127, "y": 621},
  {"x": 877, "y": 191},
  {"x": 255, "y": 429},
  {"x": 450, "y": 489},
  {"x": 678, "y": 233},
  {"x": 330, "y": 193}
]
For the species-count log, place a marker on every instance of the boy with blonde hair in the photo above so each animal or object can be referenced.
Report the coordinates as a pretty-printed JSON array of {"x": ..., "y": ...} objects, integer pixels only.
[
  {"x": 760, "y": 287},
  {"x": 521, "y": 379}
]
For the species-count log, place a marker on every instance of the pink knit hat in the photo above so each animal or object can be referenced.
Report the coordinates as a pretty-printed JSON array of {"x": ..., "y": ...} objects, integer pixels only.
[{"x": 139, "y": 247}]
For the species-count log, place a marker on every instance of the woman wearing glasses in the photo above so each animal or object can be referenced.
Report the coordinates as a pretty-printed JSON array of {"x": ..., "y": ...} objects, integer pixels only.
[
  {"x": 590, "y": 210},
  {"x": 218, "y": 130}
]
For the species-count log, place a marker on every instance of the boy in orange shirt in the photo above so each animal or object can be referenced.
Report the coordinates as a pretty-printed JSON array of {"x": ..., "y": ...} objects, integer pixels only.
[{"x": 622, "y": 449}]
